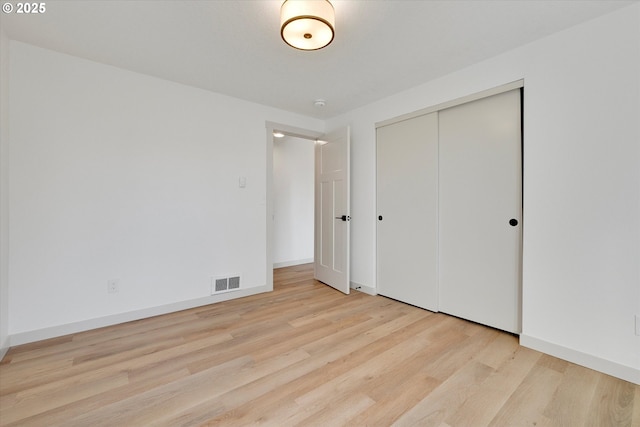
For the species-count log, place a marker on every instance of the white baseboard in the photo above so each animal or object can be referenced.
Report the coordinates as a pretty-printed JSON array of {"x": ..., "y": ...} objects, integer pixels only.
[
  {"x": 292, "y": 263},
  {"x": 114, "y": 319},
  {"x": 608, "y": 367},
  {"x": 4, "y": 347},
  {"x": 363, "y": 288}
]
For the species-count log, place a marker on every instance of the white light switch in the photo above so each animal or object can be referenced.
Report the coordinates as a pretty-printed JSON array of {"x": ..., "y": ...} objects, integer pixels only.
[{"x": 242, "y": 181}]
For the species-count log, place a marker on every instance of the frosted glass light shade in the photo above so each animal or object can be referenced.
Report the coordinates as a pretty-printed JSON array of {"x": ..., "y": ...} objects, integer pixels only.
[{"x": 307, "y": 24}]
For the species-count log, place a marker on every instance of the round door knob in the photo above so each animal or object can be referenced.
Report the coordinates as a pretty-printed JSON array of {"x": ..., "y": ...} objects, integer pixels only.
[
  {"x": 513, "y": 222},
  {"x": 379, "y": 217}
]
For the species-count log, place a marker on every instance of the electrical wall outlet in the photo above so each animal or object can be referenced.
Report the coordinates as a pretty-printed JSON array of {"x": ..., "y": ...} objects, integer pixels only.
[{"x": 113, "y": 286}]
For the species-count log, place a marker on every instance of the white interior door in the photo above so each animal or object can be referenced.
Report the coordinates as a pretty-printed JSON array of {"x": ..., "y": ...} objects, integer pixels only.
[
  {"x": 480, "y": 193},
  {"x": 407, "y": 206},
  {"x": 332, "y": 210}
]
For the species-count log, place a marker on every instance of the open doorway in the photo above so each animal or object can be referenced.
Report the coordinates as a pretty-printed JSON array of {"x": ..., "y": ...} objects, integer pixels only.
[
  {"x": 331, "y": 204},
  {"x": 290, "y": 132},
  {"x": 293, "y": 201}
]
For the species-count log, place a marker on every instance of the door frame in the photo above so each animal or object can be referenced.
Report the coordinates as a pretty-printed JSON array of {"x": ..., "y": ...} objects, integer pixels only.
[{"x": 269, "y": 195}]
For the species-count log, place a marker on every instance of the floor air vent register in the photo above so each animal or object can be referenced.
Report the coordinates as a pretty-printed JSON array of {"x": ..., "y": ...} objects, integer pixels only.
[{"x": 225, "y": 284}]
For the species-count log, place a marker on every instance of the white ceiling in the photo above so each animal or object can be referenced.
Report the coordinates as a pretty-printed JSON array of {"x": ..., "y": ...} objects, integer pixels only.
[{"x": 233, "y": 47}]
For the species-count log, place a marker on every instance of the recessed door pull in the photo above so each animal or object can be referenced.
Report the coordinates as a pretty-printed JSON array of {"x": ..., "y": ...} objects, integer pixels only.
[
  {"x": 513, "y": 222},
  {"x": 379, "y": 217}
]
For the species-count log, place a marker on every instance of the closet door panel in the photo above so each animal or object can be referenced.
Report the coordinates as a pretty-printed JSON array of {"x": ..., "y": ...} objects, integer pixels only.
[
  {"x": 407, "y": 203},
  {"x": 480, "y": 193}
]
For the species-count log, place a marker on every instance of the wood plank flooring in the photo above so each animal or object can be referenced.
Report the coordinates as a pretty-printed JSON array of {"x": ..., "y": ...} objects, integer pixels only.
[{"x": 303, "y": 355}]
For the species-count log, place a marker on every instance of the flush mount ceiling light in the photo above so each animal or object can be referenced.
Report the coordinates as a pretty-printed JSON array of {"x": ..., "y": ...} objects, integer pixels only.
[
  {"x": 278, "y": 134},
  {"x": 307, "y": 24}
]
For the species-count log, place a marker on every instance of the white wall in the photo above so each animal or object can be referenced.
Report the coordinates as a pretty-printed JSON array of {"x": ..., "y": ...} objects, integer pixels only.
[
  {"x": 581, "y": 273},
  {"x": 4, "y": 193},
  {"x": 293, "y": 176},
  {"x": 117, "y": 175}
]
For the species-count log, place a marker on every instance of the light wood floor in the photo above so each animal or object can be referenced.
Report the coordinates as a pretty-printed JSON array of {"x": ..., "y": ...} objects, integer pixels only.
[{"x": 304, "y": 355}]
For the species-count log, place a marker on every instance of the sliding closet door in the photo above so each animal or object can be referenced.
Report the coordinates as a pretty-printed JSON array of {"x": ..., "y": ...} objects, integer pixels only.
[
  {"x": 480, "y": 210},
  {"x": 407, "y": 231}
]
